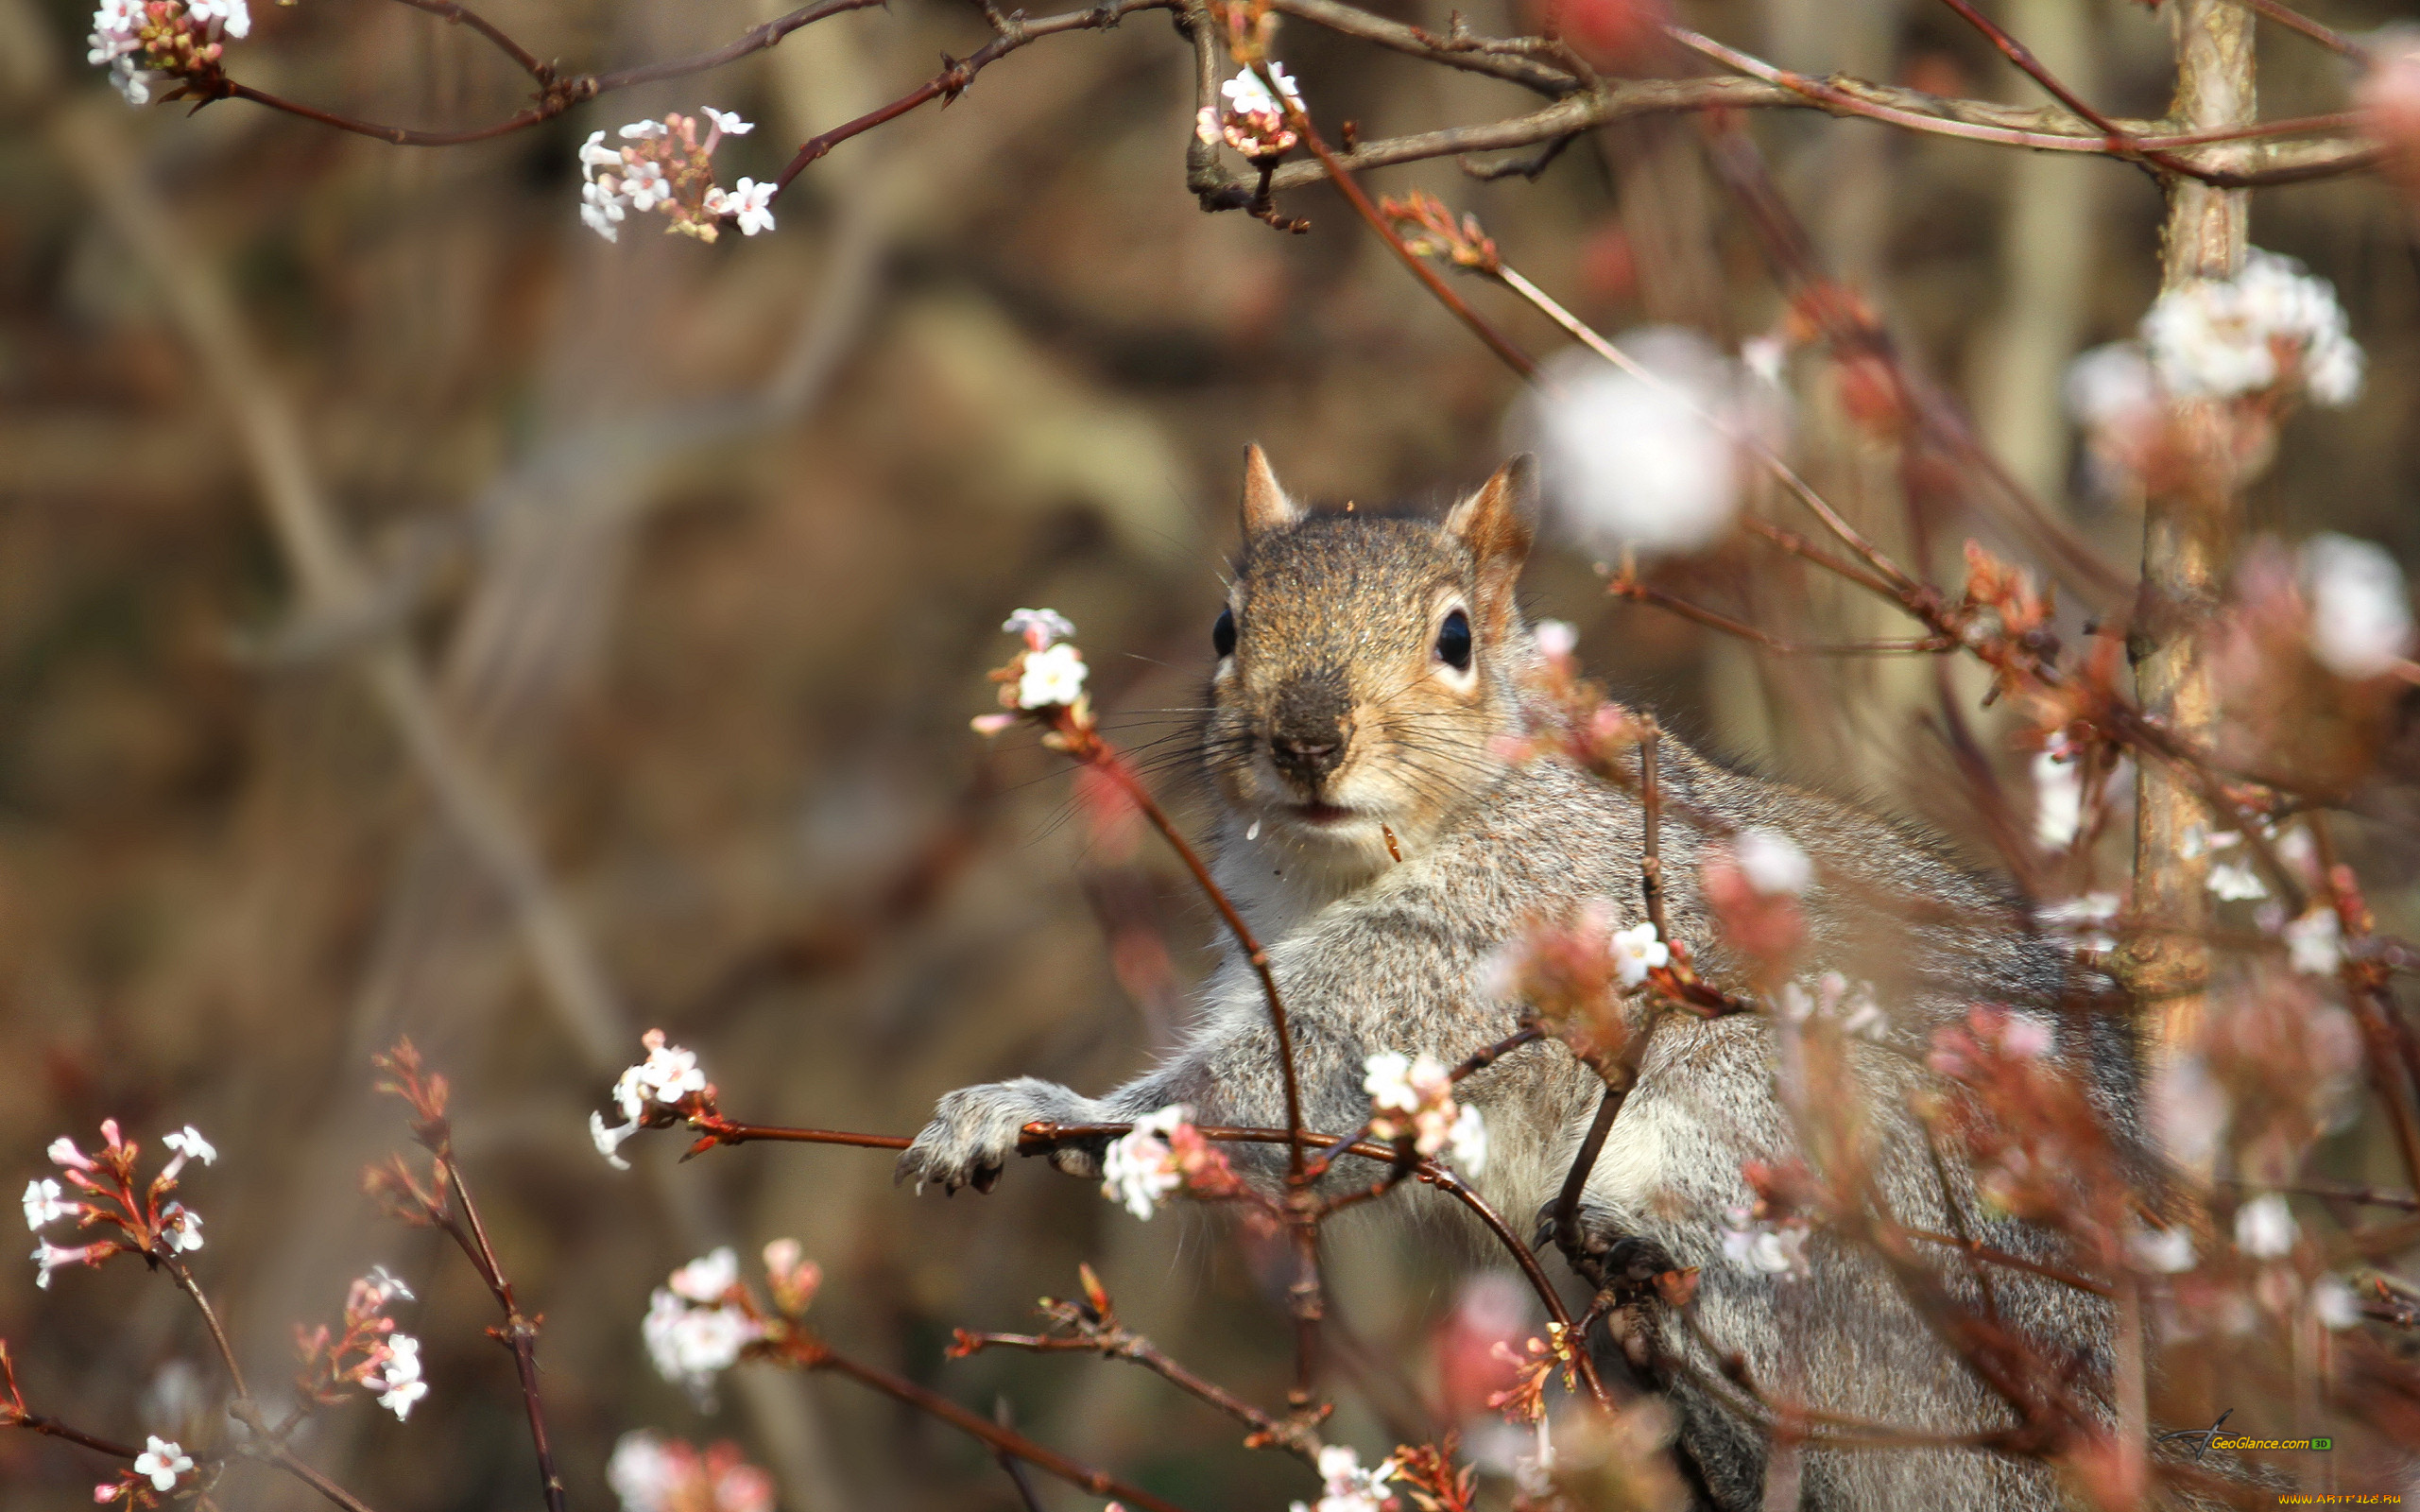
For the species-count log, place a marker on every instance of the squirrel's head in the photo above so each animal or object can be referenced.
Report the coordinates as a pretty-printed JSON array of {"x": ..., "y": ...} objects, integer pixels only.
[{"x": 1366, "y": 666}]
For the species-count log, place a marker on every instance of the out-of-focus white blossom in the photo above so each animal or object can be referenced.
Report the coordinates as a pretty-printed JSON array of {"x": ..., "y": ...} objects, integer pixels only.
[
  {"x": 2188, "y": 1111},
  {"x": 2058, "y": 801},
  {"x": 2314, "y": 942},
  {"x": 381, "y": 1286},
  {"x": 727, "y": 123},
  {"x": 1835, "y": 997},
  {"x": 1772, "y": 861},
  {"x": 1053, "y": 675},
  {"x": 2236, "y": 882},
  {"x": 1140, "y": 1169},
  {"x": 1466, "y": 1144},
  {"x": 2361, "y": 615},
  {"x": 1556, "y": 639},
  {"x": 395, "y": 1378},
  {"x": 162, "y": 1461},
  {"x": 2334, "y": 1304},
  {"x": 2113, "y": 388},
  {"x": 2264, "y": 1227},
  {"x": 608, "y": 1137},
  {"x": 44, "y": 1205},
  {"x": 1637, "y": 951},
  {"x": 650, "y": 1475},
  {"x": 645, "y": 132},
  {"x": 1774, "y": 1249},
  {"x": 2169, "y": 1251},
  {"x": 2218, "y": 338},
  {"x": 691, "y": 1345},
  {"x": 706, "y": 1280},
  {"x": 2026, "y": 1037},
  {"x": 1625, "y": 463},
  {"x": 1039, "y": 628},
  {"x": 1347, "y": 1488}
]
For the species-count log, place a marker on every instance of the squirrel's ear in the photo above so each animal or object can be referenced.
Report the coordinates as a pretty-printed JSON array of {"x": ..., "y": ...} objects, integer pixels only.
[
  {"x": 1495, "y": 522},
  {"x": 1266, "y": 504}
]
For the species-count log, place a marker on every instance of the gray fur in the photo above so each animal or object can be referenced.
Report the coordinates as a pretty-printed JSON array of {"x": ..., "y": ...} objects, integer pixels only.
[{"x": 1371, "y": 954}]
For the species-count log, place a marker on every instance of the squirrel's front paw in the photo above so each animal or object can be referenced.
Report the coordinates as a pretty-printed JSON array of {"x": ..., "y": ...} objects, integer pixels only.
[{"x": 974, "y": 1131}]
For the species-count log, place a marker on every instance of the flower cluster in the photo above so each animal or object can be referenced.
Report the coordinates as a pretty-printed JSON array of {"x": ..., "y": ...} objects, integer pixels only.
[
  {"x": 1252, "y": 122},
  {"x": 654, "y": 1474},
  {"x": 663, "y": 167},
  {"x": 145, "y": 44},
  {"x": 2028, "y": 1128},
  {"x": 1045, "y": 680},
  {"x": 2271, "y": 327},
  {"x": 1162, "y": 1152},
  {"x": 145, "y": 1220},
  {"x": 1769, "y": 1235},
  {"x": 1535, "y": 1364},
  {"x": 668, "y": 1079},
  {"x": 1412, "y": 1098},
  {"x": 1347, "y": 1488},
  {"x": 368, "y": 1354},
  {"x": 702, "y": 1320}
]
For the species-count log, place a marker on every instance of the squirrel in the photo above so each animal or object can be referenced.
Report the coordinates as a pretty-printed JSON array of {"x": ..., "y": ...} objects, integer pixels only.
[{"x": 1382, "y": 839}]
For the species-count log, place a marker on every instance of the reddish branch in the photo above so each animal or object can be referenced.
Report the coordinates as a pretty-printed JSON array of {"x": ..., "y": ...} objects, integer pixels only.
[{"x": 450, "y": 1207}]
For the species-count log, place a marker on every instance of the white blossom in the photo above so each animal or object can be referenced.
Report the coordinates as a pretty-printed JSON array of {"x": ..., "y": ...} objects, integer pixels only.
[
  {"x": 645, "y": 185},
  {"x": 641, "y": 1473},
  {"x": 1466, "y": 1146},
  {"x": 2169, "y": 1251},
  {"x": 749, "y": 201},
  {"x": 232, "y": 15},
  {"x": 706, "y": 1280},
  {"x": 608, "y": 1137},
  {"x": 644, "y": 131},
  {"x": 1245, "y": 94},
  {"x": 2058, "y": 801},
  {"x": 2188, "y": 1110},
  {"x": 116, "y": 41},
  {"x": 691, "y": 1345},
  {"x": 601, "y": 207},
  {"x": 395, "y": 1380},
  {"x": 62, "y": 1152},
  {"x": 2084, "y": 920},
  {"x": 727, "y": 122},
  {"x": 2235, "y": 882},
  {"x": 1139, "y": 1169},
  {"x": 2026, "y": 1037},
  {"x": 1039, "y": 628},
  {"x": 189, "y": 1145},
  {"x": 1629, "y": 463},
  {"x": 1772, "y": 861},
  {"x": 381, "y": 1286},
  {"x": 162, "y": 1460},
  {"x": 1637, "y": 951},
  {"x": 51, "y": 1257},
  {"x": 2334, "y": 1304},
  {"x": 1344, "y": 1486},
  {"x": 1774, "y": 1249},
  {"x": 594, "y": 154},
  {"x": 2315, "y": 942},
  {"x": 2361, "y": 615},
  {"x": 2264, "y": 1227},
  {"x": 1556, "y": 639},
  {"x": 180, "y": 1227},
  {"x": 1052, "y": 676},
  {"x": 45, "y": 1206},
  {"x": 2217, "y": 338},
  {"x": 2113, "y": 389},
  {"x": 668, "y": 1075}
]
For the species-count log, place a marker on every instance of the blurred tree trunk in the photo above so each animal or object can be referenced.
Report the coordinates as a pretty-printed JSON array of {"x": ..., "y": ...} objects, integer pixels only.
[
  {"x": 2046, "y": 262},
  {"x": 2189, "y": 533}
]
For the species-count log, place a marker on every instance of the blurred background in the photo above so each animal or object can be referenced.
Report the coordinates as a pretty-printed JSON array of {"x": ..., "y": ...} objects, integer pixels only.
[{"x": 418, "y": 615}]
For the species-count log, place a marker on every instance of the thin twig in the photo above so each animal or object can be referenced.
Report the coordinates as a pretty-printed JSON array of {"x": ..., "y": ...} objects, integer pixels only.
[
  {"x": 1000, "y": 1440},
  {"x": 463, "y": 15}
]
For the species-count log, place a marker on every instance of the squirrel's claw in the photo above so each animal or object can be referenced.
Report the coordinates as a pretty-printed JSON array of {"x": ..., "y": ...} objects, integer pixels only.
[{"x": 974, "y": 1131}]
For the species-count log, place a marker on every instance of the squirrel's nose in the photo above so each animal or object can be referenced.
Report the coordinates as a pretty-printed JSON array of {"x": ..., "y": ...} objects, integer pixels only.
[{"x": 1309, "y": 757}]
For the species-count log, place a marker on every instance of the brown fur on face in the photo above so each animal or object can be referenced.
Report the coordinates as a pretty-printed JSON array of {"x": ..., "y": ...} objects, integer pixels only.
[{"x": 1339, "y": 729}]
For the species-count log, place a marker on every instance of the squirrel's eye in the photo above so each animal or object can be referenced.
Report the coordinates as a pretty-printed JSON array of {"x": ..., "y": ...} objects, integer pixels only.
[
  {"x": 1453, "y": 642},
  {"x": 1222, "y": 634}
]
